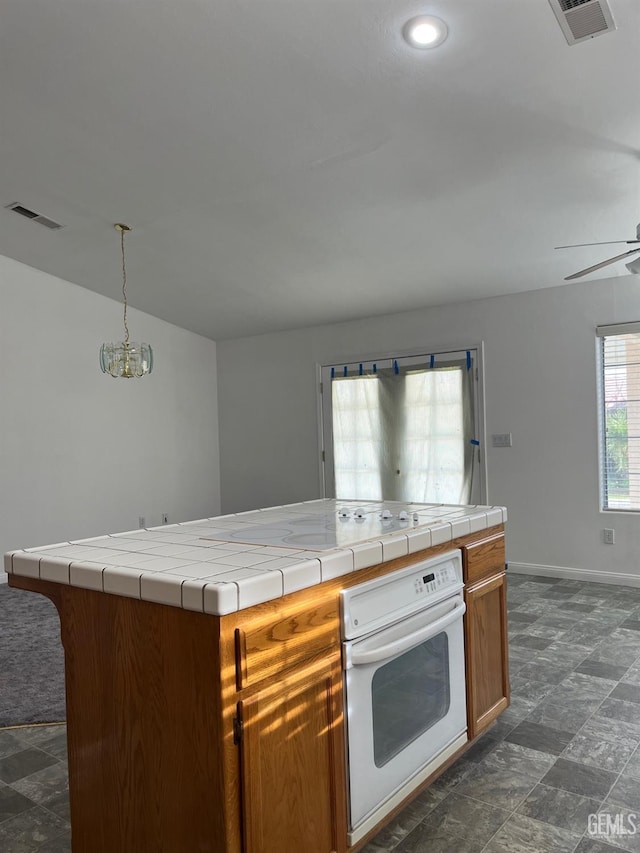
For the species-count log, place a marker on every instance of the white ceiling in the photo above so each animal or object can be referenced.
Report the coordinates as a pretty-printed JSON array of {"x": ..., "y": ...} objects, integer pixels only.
[{"x": 285, "y": 163}]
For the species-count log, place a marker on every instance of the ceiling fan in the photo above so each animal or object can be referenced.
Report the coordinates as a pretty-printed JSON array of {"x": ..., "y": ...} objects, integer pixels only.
[{"x": 633, "y": 267}]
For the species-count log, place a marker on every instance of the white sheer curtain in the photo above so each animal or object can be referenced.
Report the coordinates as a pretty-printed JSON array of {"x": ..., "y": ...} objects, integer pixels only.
[
  {"x": 432, "y": 452},
  {"x": 404, "y": 435},
  {"x": 357, "y": 437}
]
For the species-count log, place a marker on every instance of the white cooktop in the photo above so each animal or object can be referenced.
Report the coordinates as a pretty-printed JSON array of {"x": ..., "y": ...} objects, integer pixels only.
[{"x": 336, "y": 524}]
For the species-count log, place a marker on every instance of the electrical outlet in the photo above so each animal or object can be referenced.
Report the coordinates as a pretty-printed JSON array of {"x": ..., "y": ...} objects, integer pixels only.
[
  {"x": 609, "y": 536},
  {"x": 502, "y": 440},
  {"x": 141, "y": 521},
  {"x": 165, "y": 518}
]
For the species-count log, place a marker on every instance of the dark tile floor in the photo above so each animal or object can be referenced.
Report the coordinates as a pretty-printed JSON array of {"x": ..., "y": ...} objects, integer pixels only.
[
  {"x": 568, "y": 747},
  {"x": 34, "y": 801}
]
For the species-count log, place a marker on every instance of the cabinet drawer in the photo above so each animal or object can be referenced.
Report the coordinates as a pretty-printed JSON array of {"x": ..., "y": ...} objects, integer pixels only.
[
  {"x": 278, "y": 642},
  {"x": 483, "y": 559}
]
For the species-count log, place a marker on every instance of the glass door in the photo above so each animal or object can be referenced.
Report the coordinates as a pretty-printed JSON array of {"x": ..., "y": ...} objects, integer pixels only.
[{"x": 405, "y": 429}]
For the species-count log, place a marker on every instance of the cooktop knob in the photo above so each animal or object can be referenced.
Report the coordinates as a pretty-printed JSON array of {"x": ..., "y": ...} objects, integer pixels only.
[
  {"x": 343, "y": 513},
  {"x": 386, "y": 513},
  {"x": 403, "y": 515},
  {"x": 359, "y": 513}
]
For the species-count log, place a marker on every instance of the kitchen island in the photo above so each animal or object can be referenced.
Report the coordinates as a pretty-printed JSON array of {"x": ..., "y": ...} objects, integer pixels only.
[{"x": 204, "y": 674}]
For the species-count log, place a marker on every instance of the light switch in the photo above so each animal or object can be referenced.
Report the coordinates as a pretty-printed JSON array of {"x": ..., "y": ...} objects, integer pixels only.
[{"x": 504, "y": 439}]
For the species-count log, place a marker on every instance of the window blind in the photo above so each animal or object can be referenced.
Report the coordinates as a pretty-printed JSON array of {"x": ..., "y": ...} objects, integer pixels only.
[{"x": 620, "y": 416}]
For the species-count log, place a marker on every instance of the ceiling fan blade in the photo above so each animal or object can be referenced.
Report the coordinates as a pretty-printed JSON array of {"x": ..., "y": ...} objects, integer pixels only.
[
  {"x": 606, "y": 243},
  {"x": 601, "y": 264}
]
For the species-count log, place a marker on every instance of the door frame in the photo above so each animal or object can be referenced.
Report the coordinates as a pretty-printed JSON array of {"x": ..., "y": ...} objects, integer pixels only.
[{"x": 386, "y": 359}]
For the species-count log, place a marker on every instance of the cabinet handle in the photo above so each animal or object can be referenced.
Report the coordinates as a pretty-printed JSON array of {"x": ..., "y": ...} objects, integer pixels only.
[{"x": 238, "y": 730}]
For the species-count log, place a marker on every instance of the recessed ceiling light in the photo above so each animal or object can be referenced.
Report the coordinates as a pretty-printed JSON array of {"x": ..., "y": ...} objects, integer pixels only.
[{"x": 425, "y": 31}]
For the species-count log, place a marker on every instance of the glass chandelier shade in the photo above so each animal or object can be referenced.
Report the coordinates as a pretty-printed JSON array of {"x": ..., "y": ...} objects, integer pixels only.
[{"x": 125, "y": 359}]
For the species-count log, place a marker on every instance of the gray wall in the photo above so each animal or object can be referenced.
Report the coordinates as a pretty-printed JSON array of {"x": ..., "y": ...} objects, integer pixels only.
[
  {"x": 82, "y": 454},
  {"x": 540, "y": 384}
]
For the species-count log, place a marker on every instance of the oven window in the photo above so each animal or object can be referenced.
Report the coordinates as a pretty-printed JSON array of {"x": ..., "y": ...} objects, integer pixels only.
[{"x": 409, "y": 695}]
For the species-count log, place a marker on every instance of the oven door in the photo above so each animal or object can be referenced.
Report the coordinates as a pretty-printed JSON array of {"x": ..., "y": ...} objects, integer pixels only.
[{"x": 406, "y": 708}]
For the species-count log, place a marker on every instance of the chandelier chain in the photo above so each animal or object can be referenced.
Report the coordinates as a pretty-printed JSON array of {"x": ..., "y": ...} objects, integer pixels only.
[{"x": 124, "y": 286}]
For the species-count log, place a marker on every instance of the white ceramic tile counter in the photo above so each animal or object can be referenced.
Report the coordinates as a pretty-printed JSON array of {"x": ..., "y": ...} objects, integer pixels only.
[{"x": 220, "y": 565}]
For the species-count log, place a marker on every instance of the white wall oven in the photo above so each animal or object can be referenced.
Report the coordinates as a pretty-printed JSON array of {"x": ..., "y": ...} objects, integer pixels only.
[{"x": 403, "y": 659}]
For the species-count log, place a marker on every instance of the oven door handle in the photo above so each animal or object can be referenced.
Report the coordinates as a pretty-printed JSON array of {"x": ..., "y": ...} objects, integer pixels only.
[{"x": 356, "y": 657}]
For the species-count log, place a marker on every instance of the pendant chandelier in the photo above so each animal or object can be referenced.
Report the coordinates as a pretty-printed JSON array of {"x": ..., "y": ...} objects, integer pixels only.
[{"x": 125, "y": 359}]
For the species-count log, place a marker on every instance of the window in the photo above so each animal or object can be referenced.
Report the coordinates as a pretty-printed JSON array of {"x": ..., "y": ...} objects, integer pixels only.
[
  {"x": 619, "y": 404},
  {"x": 403, "y": 429}
]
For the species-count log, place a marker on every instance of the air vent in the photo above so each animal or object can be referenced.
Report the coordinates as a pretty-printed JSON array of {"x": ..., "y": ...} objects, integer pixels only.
[
  {"x": 583, "y": 19},
  {"x": 35, "y": 217}
]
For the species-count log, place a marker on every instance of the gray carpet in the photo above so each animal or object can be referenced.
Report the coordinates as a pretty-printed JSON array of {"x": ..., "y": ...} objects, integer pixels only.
[{"x": 31, "y": 659}]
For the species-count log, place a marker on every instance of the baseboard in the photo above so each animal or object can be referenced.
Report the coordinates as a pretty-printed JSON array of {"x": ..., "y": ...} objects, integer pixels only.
[{"x": 619, "y": 578}]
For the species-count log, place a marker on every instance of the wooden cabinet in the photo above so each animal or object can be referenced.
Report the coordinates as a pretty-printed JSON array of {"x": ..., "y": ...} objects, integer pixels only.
[
  {"x": 485, "y": 632},
  {"x": 225, "y": 734},
  {"x": 287, "y": 695},
  {"x": 158, "y": 762},
  {"x": 292, "y": 760}
]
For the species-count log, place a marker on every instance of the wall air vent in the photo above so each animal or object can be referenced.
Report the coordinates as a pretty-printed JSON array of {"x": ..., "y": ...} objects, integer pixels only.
[
  {"x": 35, "y": 217},
  {"x": 583, "y": 19}
]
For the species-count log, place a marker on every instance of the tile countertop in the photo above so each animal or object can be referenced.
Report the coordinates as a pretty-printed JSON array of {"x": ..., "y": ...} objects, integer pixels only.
[{"x": 201, "y": 565}]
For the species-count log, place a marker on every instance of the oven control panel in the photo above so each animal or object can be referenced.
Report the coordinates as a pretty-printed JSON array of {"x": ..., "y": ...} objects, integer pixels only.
[
  {"x": 379, "y": 602},
  {"x": 435, "y": 581}
]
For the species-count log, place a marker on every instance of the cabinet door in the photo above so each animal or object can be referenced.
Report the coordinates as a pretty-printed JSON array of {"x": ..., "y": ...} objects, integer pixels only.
[
  {"x": 292, "y": 764},
  {"x": 487, "y": 653}
]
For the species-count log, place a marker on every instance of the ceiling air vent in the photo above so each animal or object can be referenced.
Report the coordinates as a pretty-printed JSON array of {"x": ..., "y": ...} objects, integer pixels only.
[
  {"x": 583, "y": 19},
  {"x": 35, "y": 217}
]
